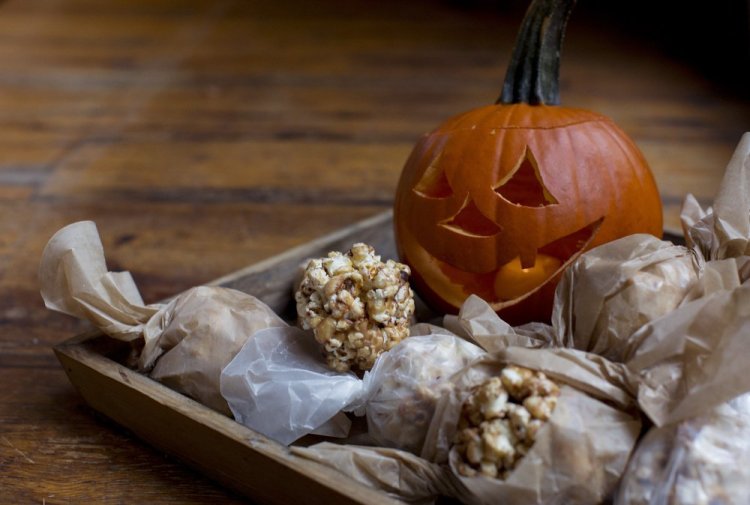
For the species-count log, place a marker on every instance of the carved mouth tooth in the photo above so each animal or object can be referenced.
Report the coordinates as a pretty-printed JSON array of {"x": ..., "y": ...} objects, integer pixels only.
[{"x": 566, "y": 249}]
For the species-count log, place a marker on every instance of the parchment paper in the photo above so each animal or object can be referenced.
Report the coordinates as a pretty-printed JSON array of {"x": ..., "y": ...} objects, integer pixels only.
[
  {"x": 279, "y": 385},
  {"x": 614, "y": 289},
  {"x": 694, "y": 358},
  {"x": 398, "y": 473},
  {"x": 698, "y": 461},
  {"x": 478, "y": 323},
  {"x": 193, "y": 337},
  {"x": 578, "y": 455},
  {"x": 723, "y": 231}
]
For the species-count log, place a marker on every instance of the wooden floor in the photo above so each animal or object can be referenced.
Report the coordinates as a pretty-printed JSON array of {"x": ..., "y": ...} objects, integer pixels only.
[{"x": 203, "y": 136}]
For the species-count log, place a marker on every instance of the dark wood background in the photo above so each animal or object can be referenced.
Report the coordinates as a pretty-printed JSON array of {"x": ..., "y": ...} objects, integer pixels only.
[{"x": 203, "y": 136}]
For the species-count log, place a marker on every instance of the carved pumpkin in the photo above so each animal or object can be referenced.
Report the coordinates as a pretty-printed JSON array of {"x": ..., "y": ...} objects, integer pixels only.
[{"x": 499, "y": 200}]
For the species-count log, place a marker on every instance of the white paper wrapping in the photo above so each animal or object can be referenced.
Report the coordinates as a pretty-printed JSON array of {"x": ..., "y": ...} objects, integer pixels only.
[
  {"x": 700, "y": 461},
  {"x": 280, "y": 386},
  {"x": 406, "y": 383}
]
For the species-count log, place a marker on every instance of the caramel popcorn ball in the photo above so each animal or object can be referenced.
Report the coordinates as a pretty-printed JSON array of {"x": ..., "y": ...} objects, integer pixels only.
[
  {"x": 500, "y": 420},
  {"x": 357, "y": 306}
]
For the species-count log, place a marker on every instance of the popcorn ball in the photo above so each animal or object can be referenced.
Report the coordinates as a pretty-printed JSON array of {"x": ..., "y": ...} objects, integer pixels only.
[
  {"x": 694, "y": 462},
  {"x": 357, "y": 306},
  {"x": 409, "y": 381},
  {"x": 500, "y": 419}
]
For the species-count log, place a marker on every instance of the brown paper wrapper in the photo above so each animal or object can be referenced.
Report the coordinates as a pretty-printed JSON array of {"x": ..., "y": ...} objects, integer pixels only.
[
  {"x": 206, "y": 327},
  {"x": 399, "y": 474},
  {"x": 74, "y": 280},
  {"x": 694, "y": 462},
  {"x": 614, "y": 289},
  {"x": 478, "y": 323},
  {"x": 695, "y": 358},
  {"x": 723, "y": 231},
  {"x": 193, "y": 337},
  {"x": 578, "y": 455}
]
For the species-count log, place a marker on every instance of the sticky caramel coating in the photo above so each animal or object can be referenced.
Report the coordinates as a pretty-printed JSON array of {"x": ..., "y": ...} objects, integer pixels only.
[
  {"x": 357, "y": 306},
  {"x": 500, "y": 420}
]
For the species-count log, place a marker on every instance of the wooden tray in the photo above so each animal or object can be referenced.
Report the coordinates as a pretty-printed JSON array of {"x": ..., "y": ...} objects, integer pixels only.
[
  {"x": 214, "y": 444},
  {"x": 217, "y": 446}
]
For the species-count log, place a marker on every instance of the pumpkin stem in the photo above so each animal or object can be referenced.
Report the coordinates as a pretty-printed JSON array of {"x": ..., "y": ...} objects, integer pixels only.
[{"x": 533, "y": 75}]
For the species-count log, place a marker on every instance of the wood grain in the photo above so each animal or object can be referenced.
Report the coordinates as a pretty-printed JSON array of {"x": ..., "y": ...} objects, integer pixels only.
[{"x": 203, "y": 136}]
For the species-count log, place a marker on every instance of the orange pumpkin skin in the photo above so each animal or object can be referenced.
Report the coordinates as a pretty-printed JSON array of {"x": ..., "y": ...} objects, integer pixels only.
[{"x": 517, "y": 180}]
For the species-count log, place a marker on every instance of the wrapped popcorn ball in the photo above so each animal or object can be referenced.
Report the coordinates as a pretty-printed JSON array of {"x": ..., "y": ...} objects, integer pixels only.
[
  {"x": 184, "y": 343},
  {"x": 694, "y": 462},
  {"x": 500, "y": 419},
  {"x": 407, "y": 382},
  {"x": 357, "y": 306},
  {"x": 613, "y": 290}
]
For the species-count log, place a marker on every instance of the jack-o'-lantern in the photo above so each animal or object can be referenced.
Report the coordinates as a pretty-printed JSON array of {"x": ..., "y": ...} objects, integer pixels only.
[{"x": 499, "y": 200}]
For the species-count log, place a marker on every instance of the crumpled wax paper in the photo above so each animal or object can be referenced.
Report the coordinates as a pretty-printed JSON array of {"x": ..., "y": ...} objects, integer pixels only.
[
  {"x": 279, "y": 385},
  {"x": 398, "y": 473},
  {"x": 186, "y": 342},
  {"x": 699, "y": 461},
  {"x": 578, "y": 455},
  {"x": 614, "y": 289},
  {"x": 694, "y": 358}
]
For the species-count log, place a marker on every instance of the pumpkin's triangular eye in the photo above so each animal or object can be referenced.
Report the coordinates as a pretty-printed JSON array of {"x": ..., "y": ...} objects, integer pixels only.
[
  {"x": 470, "y": 221},
  {"x": 434, "y": 183},
  {"x": 524, "y": 185}
]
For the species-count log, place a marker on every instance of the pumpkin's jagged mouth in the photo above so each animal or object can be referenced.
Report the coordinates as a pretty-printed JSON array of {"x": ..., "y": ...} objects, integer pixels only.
[
  {"x": 564, "y": 250},
  {"x": 572, "y": 244}
]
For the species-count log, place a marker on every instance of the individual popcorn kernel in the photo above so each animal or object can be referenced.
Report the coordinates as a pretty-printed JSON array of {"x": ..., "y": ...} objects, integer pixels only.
[
  {"x": 500, "y": 420},
  {"x": 540, "y": 407},
  {"x": 357, "y": 306}
]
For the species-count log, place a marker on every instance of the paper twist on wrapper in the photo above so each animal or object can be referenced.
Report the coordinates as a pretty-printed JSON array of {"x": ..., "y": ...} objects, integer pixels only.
[
  {"x": 280, "y": 385},
  {"x": 185, "y": 343}
]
